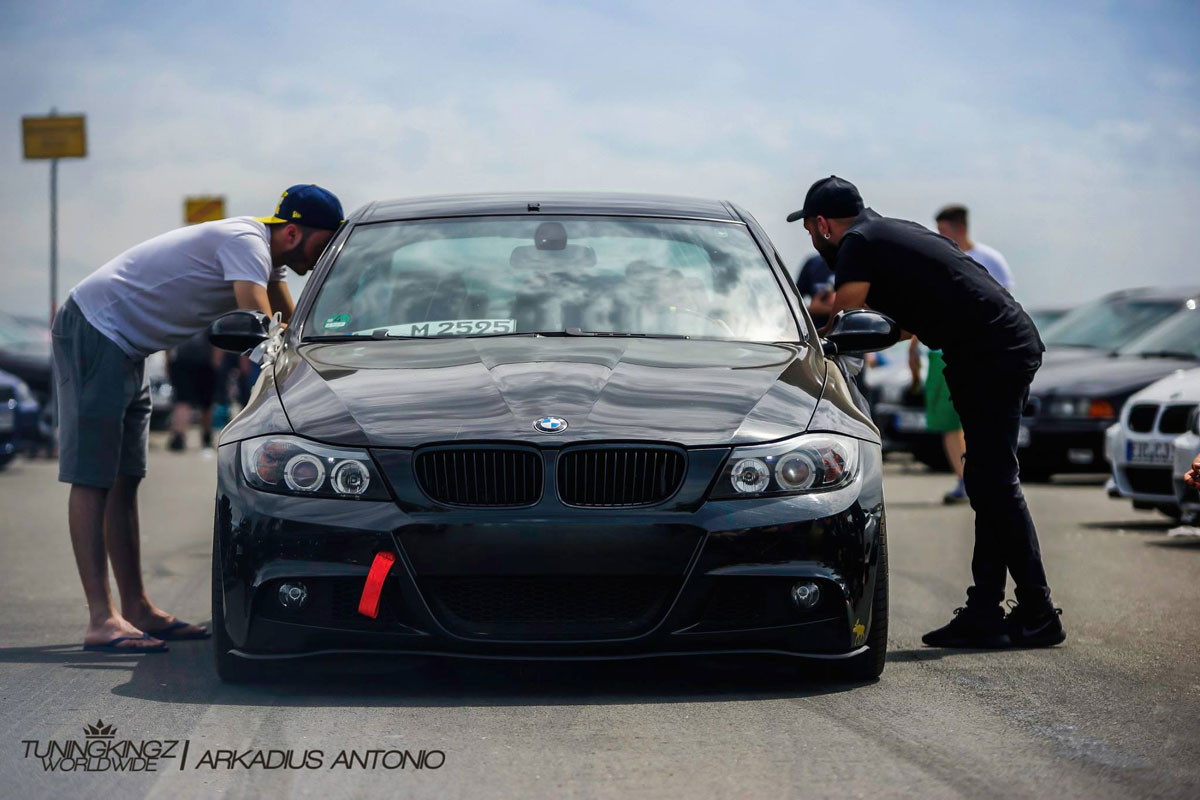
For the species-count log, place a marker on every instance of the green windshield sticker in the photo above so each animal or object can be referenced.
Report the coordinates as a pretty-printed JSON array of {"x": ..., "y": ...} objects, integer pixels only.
[{"x": 337, "y": 321}]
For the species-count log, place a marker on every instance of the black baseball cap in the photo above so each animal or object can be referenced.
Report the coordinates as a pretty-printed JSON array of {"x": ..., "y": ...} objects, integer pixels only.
[
  {"x": 309, "y": 205},
  {"x": 832, "y": 198}
]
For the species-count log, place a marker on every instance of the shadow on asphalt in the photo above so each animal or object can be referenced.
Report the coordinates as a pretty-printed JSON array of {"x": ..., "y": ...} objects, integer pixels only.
[
  {"x": 1085, "y": 481},
  {"x": 186, "y": 674},
  {"x": 1148, "y": 525},
  {"x": 938, "y": 653},
  {"x": 1178, "y": 542}
]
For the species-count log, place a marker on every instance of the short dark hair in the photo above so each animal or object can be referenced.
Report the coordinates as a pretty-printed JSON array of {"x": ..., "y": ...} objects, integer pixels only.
[{"x": 955, "y": 214}]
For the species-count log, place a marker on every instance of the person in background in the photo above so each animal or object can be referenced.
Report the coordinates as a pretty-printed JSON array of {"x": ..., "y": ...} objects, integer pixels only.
[
  {"x": 815, "y": 284},
  {"x": 193, "y": 375},
  {"x": 940, "y": 416},
  {"x": 952, "y": 223},
  {"x": 233, "y": 386},
  {"x": 1192, "y": 477}
]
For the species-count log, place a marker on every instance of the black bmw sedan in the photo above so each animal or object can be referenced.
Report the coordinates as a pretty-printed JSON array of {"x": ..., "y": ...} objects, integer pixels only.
[{"x": 551, "y": 427}]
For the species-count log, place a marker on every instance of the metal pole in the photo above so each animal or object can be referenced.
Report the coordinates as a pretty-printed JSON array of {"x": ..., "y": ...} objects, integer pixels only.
[
  {"x": 53, "y": 232},
  {"x": 53, "y": 238}
]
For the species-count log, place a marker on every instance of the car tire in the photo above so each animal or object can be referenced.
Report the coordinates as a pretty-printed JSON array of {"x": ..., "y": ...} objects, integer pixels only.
[
  {"x": 1171, "y": 510},
  {"x": 230, "y": 668},
  {"x": 869, "y": 665},
  {"x": 1034, "y": 475},
  {"x": 932, "y": 456}
]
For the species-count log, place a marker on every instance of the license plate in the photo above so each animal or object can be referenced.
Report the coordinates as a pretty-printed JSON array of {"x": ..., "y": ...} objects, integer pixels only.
[
  {"x": 910, "y": 421},
  {"x": 1150, "y": 452},
  {"x": 1024, "y": 437},
  {"x": 7, "y": 420},
  {"x": 449, "y": 327}
]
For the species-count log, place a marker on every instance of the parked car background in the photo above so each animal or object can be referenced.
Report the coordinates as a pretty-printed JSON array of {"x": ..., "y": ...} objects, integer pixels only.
[
  {"x": 899, "y": 410},
  {"x": 1073, "y": 403},
  {"x": 1095, "y": 329},
  {"x": 1141, "y": 446},
  {"x": 25, "y": 353},
  {"x": 18, "y": 417},
  {"x": 1044, "y": 317}
]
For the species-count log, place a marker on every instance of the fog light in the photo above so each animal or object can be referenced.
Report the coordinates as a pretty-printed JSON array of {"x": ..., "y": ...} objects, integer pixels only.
[
  {"x": 293, "y": 595},
  {"x": 806, "y": 595}
]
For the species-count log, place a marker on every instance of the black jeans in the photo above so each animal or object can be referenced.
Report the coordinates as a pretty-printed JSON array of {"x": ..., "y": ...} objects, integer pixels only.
[{"x": 989, "y": 395}]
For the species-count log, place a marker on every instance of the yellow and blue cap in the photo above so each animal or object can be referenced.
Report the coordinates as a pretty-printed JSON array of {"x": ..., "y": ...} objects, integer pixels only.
[{"x": 309, "y": 205}]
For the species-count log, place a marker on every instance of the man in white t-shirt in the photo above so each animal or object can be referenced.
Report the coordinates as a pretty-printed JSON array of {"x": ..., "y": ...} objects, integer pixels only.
[
  {"x": 150, "y": 298},
  {"x": 952, "y": 223}
]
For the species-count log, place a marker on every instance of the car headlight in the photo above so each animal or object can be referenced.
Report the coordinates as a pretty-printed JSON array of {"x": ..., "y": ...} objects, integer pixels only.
[
  {"x": 1081, "y": 408},
  {"x": 290, "y": 465},
  {"x": 810, "y": 463}
]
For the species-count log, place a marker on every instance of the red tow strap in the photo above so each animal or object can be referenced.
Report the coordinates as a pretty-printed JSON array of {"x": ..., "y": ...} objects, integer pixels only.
[{"x": 368, "y": 605}]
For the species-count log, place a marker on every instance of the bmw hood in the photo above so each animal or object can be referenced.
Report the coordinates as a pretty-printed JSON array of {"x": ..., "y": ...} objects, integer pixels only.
[{"x": 408, "y": 393}]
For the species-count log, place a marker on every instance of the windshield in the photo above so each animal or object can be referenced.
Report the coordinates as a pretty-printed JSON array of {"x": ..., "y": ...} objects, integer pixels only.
[
  {"x": 511, "y": 275},
  {"x": 1179, "y": 335},
  {"x": 1107, "y": 324}
]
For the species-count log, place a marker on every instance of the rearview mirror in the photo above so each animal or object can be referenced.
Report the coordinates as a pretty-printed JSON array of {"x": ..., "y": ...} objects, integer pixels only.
[
  {"x": 859, "y": 331},
  {"x": 239, "y": 331}
]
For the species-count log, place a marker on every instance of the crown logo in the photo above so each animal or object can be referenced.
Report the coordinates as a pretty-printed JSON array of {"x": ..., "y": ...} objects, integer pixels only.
[{"x": 99, "y": 730}]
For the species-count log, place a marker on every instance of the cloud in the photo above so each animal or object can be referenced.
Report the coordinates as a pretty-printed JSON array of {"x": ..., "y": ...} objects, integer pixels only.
[{"x": 1073, "y": 140}]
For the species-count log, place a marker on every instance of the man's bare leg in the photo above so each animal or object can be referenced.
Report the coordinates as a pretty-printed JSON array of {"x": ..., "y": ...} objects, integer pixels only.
[
  {"x": 123, "y": 536},
  {"x": 85, "y": 517},
  {"x": 956, "y": 446}
]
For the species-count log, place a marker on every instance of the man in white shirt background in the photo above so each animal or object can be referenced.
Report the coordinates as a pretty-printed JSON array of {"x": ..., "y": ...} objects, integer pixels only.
[
  {"x": 150, "y": 298},
  {"x": 952, "y": 223}
]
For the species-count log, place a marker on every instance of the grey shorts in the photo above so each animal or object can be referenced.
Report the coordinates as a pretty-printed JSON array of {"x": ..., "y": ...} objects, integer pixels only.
[{"x": 103, "y": 404}]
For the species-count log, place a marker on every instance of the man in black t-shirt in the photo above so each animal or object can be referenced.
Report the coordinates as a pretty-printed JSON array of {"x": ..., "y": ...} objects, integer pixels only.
[{"x": 932, "y": 289}]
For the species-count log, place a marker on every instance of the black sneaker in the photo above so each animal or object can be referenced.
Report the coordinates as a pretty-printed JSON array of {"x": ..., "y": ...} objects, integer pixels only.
[
  {"x": 177, "y": 444},
  {"x": 971, "y": 628},
  {"x": 1040, "y": 628}
]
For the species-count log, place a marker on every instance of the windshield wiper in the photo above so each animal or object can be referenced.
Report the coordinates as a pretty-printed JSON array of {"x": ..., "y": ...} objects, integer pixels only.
[
  {"x": 515, "y": 333},
  {"x": 1169, "y": 354},
  {"x": 336, "y": 337},
  {"x": 574, "y": 332},
  {"x": 382, "y": 333},
  {"x": 363, "y": 337},
  {"x": 577, "y": 332}
]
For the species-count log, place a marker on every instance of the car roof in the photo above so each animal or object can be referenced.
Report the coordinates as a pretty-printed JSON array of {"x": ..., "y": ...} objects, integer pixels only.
[
  {"x": 1177, "y": 293},
  {"x": 508, "y": 203}
]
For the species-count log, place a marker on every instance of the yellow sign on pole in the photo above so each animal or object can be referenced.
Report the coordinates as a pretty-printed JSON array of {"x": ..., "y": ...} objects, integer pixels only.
[
  {"x": 204, "y": 208},
  {"x": 54, "y": 136}
]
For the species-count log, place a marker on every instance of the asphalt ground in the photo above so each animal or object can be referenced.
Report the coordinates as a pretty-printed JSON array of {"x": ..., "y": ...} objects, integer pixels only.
[{"x": 1115, "y": 712}]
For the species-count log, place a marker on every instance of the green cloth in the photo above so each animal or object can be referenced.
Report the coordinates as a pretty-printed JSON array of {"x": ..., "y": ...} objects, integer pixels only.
[{"x": 940, "y": 416}]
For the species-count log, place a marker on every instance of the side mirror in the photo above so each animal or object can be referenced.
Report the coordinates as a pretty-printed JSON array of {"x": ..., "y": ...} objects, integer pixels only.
[
  {"x": 860, "y": 331},
  {"x": 239, "y": 331}
]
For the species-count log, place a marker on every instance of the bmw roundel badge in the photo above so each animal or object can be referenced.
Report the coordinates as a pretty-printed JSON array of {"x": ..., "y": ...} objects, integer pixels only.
[{"x": 550, "y": 425}]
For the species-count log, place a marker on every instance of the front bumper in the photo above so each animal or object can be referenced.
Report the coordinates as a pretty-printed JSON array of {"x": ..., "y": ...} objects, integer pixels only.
[
  {"x": 1063, "y": 445},
  {"x": 550, "y": 582},
  {"x": 1142, "y": 482}
]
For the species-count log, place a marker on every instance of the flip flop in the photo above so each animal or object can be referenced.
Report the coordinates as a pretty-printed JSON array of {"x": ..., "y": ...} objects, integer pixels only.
[
  {"x": 168, "y": 633},
  {"x": 111, "y": 646}
]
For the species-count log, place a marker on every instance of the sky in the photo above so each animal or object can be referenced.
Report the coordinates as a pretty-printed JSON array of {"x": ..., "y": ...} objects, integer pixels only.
[{"x": 1071, "y": 130}]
